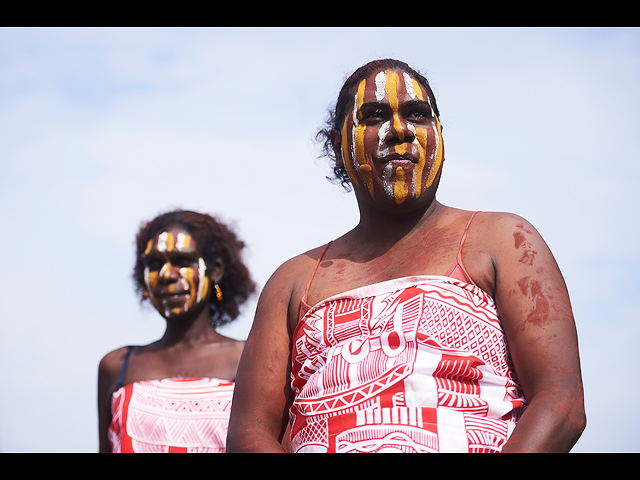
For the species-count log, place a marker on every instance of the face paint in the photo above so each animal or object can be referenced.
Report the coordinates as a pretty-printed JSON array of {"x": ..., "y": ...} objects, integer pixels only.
[
  {"x": 415, "y": 91},
  {"x": 174, "y": 275},
  {"x": 409, "y": 163},
  {"x": 183, "y": 242},
  {"x": 204, "y": 280}
]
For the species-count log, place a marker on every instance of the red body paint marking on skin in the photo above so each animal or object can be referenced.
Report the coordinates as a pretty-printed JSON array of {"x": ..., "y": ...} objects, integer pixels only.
[
  {"x": 533, "y": 289},
  {"x": 523, "y": 283},
  {"x": 529, "y": 255},
  {"x": 540, "y": 314},
  {"x": 521, "y": 226}
]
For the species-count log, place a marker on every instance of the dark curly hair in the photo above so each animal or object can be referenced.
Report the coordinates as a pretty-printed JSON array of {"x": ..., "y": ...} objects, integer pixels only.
[
  {"x": 337, "y": 115},
  {"x": 213, "y": 240}
]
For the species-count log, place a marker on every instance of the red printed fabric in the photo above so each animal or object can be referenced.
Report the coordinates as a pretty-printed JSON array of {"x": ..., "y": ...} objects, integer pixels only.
[
  {"x": 417, "y": 364},
  {"x": 171, "y": 416}
]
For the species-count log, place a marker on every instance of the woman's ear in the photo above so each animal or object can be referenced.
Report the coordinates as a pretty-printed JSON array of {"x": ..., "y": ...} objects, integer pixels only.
[
  {"x": 336, "y": 142},
  {"x": 216, "y": 271}
]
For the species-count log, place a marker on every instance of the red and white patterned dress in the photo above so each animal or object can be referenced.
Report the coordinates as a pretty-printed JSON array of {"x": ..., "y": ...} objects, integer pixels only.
[
  {"x": 416, "y": 364},
  {"x": 171, "y": 416}
]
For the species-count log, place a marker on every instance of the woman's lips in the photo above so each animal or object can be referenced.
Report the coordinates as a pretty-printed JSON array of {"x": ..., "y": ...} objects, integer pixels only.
[
  {"x": 396, "y": 157},
  {"x": 171, "y": 297}
]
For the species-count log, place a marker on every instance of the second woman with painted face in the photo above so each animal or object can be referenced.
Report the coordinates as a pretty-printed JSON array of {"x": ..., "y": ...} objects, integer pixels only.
[{"x": 174, "y": 395}]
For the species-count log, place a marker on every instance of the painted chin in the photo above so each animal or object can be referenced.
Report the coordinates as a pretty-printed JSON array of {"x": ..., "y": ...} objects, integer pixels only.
[
  {"x": 172, "y": 305},
  {"x": 398, "y": 180}
]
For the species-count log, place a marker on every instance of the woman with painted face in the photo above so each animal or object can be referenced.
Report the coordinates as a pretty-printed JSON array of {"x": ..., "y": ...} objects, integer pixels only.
[
  {"x": 174, "y": 395},
  {"x": 425, "y": 328}
]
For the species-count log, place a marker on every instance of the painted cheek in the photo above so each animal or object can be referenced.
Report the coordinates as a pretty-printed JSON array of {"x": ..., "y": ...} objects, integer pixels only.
[
  {"x": 188, "y": 276},
  {"x": 204, "y": 279},
  {"x": 421, "y": 137},
  {"x": 358, "y": 140},
  {"x": 203, "y": 288},
  {"x": 151, "y": 280},
  {"x": 435, "y": 168},
  {"x": 430, "y": 148},
  {"x": 346, "y": 157}
]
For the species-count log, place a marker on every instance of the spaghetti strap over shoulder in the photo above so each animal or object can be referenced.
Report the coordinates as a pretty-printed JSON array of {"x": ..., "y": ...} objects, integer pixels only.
[
  {"x": 457, "y": 270},
  {"x": 304, "y": 307},
  {"x": 124, "y": 368}
]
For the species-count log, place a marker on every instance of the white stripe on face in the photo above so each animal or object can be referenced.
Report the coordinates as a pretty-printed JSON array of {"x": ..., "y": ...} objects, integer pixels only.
[
  {"x": 381, "y": 85},
  {"x": 408, "y": 83},
  {"x": 202, "y": 271},
  {"x": 162, "y": 241}
]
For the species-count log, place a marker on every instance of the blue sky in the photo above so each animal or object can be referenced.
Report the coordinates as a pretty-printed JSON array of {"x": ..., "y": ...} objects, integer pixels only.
[{"x": 101, "y": 129}]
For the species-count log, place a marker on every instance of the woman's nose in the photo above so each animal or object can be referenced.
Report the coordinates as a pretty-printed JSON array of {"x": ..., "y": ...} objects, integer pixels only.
[
  {"x": 168, "y": 273},
  {"x": 400, "y": 131}
]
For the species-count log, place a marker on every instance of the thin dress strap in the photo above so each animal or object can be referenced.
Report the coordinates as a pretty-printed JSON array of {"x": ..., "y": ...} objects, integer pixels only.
[
  {"x": 304, "y": 307},
  {"x": 464, "y": 235},
  {"x": 124, "y": 367},
  {"x": 457, "y": 270}
]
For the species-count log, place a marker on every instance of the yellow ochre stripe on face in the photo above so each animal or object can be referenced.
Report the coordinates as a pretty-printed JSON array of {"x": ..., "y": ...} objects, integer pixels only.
[
  {"x": 421, "y": 135},
  {"x": 436, "y": 164},
  {"x": 153, "y": 280},
  {"x": 170, "y": 242},
  {"x": 165, "y": 271},
  {"x": 391, "y": 88},
  {"x": 360, "y": 97},
  {"x": 358, "y": 139},
  {"x": 149, "y": 245},
  {"x": 346, "y": 158},
  {"x": 400, "y": 188},
  {"x": 422, "y": 145},
  {"x": 417, "y": 89}
]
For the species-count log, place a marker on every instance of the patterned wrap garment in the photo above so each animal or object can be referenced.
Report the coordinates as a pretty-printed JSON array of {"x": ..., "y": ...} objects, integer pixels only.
[
  {"x": 188, "y": 415},
  {"x": 415, "y": 364}
]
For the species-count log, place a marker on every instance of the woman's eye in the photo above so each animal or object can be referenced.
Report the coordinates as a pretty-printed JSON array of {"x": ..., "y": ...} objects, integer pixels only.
[
  {"x": 153, "y": 266},
  {"x": 420, "y": 114},
  {"x": 374, "y": 114}
]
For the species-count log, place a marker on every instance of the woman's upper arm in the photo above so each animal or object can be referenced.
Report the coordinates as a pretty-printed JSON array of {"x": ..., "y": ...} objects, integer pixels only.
[
  {"x": 535, "y": 311},
  {"x": 108, "y": 372},
  {"x": 262, "y": 394}
]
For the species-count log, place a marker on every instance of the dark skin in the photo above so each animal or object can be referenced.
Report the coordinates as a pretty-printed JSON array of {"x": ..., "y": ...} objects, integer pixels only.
[
  {"x": 189, "y": 348},
  {"x": 503, "y": 254}
]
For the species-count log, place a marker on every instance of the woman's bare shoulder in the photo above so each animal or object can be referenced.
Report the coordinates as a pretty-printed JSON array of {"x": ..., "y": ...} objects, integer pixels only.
[
  {"x": 296, "y": 269},
  {"x": 111, "y": 364},
  {"x": 500, "y": 227}
]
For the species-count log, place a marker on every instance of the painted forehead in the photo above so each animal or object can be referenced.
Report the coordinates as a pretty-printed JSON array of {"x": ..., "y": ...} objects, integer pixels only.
[
  {"x": 387, "y": 84},
  {"x": 171, "y": 240}
]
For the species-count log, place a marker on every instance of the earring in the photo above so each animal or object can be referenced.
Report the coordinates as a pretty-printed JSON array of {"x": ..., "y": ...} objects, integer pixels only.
[
  {"x": 145, "y": 295},
  {"x": 218, "y": 292}
]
